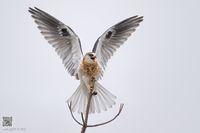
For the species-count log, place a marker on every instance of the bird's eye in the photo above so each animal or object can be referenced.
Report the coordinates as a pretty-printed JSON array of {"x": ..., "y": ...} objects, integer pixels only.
[{"x": 90, "y": 55}]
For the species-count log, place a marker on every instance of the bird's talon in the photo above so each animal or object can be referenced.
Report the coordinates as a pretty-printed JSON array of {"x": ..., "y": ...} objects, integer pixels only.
[{"x": 94, "y": 93}]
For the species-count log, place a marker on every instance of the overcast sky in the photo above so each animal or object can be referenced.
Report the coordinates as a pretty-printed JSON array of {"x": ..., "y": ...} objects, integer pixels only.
[{"x": 155, "y": 73}]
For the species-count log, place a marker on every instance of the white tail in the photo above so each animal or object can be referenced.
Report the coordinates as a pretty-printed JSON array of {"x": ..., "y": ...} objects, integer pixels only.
[{"x": 102, "y": 101}]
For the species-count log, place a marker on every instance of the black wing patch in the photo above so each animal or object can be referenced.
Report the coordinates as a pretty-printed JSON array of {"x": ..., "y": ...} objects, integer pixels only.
[
  {"x": 64, "y": 32},
  {"x": 108, "y": 35}
]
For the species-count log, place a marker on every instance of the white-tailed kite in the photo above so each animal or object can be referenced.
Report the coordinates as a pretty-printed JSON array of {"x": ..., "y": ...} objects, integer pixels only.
[{"x": 88, "y": 68}]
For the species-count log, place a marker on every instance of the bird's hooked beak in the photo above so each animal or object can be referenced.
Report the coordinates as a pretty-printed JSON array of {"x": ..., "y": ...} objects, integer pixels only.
[
  {"x": 93, "y": 57},
  {"x": 90, "y": 57}
]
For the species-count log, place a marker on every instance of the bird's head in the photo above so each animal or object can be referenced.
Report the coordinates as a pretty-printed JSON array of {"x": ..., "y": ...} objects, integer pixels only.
[{"x": 90, "y": 57}]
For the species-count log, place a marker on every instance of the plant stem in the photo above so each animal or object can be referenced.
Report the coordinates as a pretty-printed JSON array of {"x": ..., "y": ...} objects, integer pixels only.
[{"x": 87, "y": 113}]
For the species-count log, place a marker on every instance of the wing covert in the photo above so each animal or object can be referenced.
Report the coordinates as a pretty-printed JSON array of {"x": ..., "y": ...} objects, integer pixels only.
[
  {"x": 114, "y": 37},
  {"x": 61, "y": 37}
]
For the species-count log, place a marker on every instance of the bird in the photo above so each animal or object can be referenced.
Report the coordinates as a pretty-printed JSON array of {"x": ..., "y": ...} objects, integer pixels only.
[{"x": 89, "y": 67}]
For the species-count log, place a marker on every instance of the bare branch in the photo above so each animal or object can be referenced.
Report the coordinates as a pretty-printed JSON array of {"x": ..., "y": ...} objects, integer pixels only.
[
  {"x": 69, "y": 105},
  {"x": 120, "y": 110},
  {"x": 87, "y": 113},
  {"x": 82, "y": 117}
]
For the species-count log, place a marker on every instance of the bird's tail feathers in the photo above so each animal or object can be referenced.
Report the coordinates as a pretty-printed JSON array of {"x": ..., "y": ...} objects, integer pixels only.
[{"x": 101, "y": 101}]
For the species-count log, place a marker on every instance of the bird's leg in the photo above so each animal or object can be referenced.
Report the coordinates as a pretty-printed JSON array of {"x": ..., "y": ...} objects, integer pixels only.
[
  {"x": 93, "y": 79},
  {"x": 92, "y": 82}
]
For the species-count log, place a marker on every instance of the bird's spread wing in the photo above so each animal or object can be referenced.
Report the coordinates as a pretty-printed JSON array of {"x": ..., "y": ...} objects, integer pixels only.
[
  {"x": 61, "y": 37},
  {"x": 113, "y": 38}
]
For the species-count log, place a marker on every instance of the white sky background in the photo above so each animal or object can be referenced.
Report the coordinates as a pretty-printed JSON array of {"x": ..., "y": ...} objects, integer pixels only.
[{"x": 155, "y": 74}]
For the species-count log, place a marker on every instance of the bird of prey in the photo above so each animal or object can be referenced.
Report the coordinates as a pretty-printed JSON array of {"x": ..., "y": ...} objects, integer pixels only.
[{"x": 87, "y": 68}]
